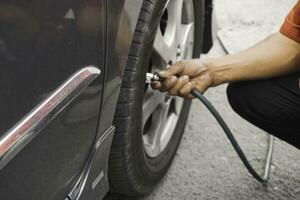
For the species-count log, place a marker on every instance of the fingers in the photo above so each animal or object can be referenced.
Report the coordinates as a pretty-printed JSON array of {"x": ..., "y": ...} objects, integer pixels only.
[
  {"x": 186, "y": 90},
  {"x": 156, "y": 85},
  {"x": 182, "y": 77},
  {"x": 179, "y": 84},
  {"x": 165, "y": 85},
  {"x": 170, "y": 76},
  {"x": 175, "y": 69}
]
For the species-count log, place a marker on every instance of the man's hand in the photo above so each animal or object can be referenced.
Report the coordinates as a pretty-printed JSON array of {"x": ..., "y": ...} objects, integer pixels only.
[
  {"x": 276, "y": 56},
  {"x": 184, "y": 76}
]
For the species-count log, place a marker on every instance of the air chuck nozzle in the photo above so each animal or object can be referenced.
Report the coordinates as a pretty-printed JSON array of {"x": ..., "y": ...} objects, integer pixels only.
[{"x": 150, "y": 77}]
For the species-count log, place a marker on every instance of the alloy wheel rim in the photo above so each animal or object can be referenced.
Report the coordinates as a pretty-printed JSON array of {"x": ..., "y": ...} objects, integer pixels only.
[{"x": 173, "y": 41}]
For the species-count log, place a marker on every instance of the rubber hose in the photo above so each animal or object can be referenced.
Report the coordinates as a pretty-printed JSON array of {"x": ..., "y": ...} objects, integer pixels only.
[{"x": 231, "y": 138}]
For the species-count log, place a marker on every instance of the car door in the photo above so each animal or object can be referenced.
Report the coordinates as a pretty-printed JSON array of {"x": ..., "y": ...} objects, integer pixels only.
[{"x": 51, "y": 57}]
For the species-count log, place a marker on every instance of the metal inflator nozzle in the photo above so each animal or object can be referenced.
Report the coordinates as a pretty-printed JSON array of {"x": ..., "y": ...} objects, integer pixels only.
[{"x": 150, "y": 77}]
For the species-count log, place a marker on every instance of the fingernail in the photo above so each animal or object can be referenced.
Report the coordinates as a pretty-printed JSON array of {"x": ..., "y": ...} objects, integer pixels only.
[
  {"x": 186, "y": 77},
  {"x": 173, "y": 78}
]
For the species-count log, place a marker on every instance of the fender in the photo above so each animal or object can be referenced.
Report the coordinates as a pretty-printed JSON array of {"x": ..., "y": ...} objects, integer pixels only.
[{"x": 121, "y": 22}]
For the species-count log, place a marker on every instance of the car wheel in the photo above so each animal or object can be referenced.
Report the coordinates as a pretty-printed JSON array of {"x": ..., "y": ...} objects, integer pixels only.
[{"x": 149, "y": 124}]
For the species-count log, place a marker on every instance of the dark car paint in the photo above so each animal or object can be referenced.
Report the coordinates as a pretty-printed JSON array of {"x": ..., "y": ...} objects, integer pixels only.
[
  {"x": 43, "y": 42},
  {"x": 121, "y": 21}
]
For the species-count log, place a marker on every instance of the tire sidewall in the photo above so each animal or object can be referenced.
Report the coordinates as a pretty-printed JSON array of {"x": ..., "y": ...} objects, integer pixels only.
[
  {"x": 151, "y": 170},
  {"x": 145, "y": 172}
]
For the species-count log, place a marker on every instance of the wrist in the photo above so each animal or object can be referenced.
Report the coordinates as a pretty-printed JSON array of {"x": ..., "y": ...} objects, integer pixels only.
[{"x": 218, "y": 72}]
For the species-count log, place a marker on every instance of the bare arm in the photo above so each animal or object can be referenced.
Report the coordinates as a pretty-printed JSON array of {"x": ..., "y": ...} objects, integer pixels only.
[{"x": 277, "y": 55}]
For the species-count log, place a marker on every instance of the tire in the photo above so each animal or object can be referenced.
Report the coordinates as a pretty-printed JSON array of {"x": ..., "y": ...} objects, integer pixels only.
[{"x": 131, "y": 171}]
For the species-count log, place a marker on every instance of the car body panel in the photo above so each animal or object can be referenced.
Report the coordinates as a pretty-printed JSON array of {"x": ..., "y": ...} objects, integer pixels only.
[
  {"x": 96, "y": 184},
  {"x": 42, "y": 43},
  {"x": 121, "y": 22}
]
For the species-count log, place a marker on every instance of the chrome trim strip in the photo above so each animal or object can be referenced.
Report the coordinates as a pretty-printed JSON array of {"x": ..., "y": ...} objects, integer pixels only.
[{"x": 15, "y": 139}]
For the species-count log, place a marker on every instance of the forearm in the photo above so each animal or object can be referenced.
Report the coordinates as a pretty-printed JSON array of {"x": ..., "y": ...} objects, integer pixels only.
[{"x": 275, "y": 56}]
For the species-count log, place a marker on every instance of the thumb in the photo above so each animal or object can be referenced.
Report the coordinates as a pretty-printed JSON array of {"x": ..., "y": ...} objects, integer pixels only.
[{"x": 175, "y": 69}]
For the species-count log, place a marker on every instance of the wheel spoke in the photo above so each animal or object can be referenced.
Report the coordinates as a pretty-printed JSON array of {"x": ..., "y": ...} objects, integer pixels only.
[
  {"x": 175, "y": 12},
  {"x": 162, "y": 48},
  {"x": 162, "y": 127},
  {"x": 152, "y": 100},
  {"x": 178, "y": 9},
  {"x": 178, "y": 105},
  {"x": 186, "y": 38}
]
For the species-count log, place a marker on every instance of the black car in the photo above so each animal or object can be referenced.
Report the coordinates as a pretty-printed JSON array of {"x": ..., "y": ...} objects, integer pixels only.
[{"x": 77, "y": 118}]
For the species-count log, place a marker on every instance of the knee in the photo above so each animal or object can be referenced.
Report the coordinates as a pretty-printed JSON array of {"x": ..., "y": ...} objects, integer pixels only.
[
  {"x": 235, "y": 96},
  {"x": 238, "y": 95}
]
